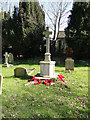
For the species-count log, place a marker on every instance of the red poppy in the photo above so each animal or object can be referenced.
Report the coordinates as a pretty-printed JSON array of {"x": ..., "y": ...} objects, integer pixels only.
[
  {"x": 48, "y": 80},
  {"x": 69, "y": 51},
  {"x": 36, "y": 83},
  {"x": 32, "y": 78},
  {"x": 60, "y": 77}
]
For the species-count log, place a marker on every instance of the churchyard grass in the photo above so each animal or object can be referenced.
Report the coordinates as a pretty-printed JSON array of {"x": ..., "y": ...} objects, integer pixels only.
[{"x": 61, "y": 100}]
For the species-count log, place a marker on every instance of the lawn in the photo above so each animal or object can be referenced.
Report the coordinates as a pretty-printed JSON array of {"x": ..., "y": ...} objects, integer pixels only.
[{"x": 67, "y": 99}]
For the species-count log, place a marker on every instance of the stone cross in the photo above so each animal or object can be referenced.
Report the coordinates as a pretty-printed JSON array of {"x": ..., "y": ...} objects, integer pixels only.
[
  {"x": 6, "y": 57},
  {"x": 47, "y": 33}
]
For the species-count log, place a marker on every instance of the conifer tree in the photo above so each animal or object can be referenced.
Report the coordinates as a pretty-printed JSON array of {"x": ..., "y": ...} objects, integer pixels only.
[
  {"x": 23, "y": 32},
  {"x": 32, "y": 29},
  {"x": 77, "y": 32}
]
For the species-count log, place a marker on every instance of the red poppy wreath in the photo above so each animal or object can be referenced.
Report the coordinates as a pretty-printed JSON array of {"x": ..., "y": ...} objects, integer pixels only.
[
  {"x": 32, "y": 78},
  {"x": 48, "y": 82},
  {"x": 60, "y": 77},
  {"x": 36, "y": 83}
]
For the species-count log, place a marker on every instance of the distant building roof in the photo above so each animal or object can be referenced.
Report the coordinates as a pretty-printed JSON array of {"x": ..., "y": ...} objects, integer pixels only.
[{"x": 61, "y": 34}]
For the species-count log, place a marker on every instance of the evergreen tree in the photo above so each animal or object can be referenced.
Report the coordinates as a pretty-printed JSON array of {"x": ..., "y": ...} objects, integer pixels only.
[
  {"x": 12, "y": 34},
  {"x": 5, "y": 31},
  {"x": 33, "y": 21},
  {"x": 77, "y": 32},
  {"x": 23, "y": 32}
]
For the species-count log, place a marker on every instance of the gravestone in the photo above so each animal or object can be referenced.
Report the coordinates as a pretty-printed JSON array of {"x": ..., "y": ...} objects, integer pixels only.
[
  {"x": 47, "y": 67},
  {"x": 6, "y": 59},
  {"x": 1, "y": 84},
  {"x": 69, "y": 62},
  {"x": 11, "y": 58},
  {"x": 20, "y": 72}
]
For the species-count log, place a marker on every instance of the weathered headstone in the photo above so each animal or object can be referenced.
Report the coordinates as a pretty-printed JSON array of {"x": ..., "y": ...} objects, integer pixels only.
[
  {"x": 1, "y": 84},
  {"x": 47, "y": 67},
  {"x": 20, "y": 72},
  {"x": 11, "y": 58},
  {"x": 69, "y": 62},
  {"x": 6, "y": 59}
]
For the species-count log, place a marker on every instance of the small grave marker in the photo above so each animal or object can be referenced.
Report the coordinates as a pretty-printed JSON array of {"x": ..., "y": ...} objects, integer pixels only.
[
  {"x": 69, "y": 62},
  {"x": 20, "y": 72},
  {"x": 11, "y": 58},
  {"x": 6, "y": 59}
]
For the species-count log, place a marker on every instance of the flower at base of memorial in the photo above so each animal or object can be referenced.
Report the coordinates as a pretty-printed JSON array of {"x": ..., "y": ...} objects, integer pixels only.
[
  {"x": 60, "y": 77},
  {"x": 32, "y": 78},
  {"x": 36, "y": 83},
  {"x": 48, "y": 82}
]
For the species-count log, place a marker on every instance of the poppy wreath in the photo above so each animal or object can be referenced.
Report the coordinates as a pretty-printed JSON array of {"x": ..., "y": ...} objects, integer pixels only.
[
  {"x": 70, "y": 51},
  {"x": 36, "y": 83},
  {"x": 32, "y": 78},
  {"x": 60, "y": 77},
  {"x": 67, "y": 53},
  {"x": 48, "y": 80}
]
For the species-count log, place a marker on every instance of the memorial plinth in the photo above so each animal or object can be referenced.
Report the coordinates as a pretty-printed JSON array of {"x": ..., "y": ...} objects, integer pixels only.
[{"x": 47, "y": 69}]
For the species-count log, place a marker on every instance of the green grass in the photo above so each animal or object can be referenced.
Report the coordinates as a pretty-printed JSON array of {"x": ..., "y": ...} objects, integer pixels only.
[{"x": 40, "y": 101}]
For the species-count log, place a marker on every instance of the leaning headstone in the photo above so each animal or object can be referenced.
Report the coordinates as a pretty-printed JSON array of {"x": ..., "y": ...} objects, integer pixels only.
[
  {"x": 1, "y": 84},
  {"x": 6, "y": 59},
  {"x": 11, "y": 58},
  {"x": 20, "y": 72}
]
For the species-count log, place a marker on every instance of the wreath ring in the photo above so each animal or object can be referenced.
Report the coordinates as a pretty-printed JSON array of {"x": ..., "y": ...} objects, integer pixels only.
[
  {"x": 39, "y": 81},
  {"x": 48, "y": 80}
]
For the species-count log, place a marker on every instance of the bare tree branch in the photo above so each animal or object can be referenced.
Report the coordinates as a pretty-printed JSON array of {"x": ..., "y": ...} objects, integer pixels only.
[{"x": 57, "y": 13}]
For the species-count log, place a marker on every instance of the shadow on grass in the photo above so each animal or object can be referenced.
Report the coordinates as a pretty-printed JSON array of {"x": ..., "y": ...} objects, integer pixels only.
[
  {"x": 22, "y": 78},
  {"x": 59, "y": 63},
  {"x": 33, "y": 61},
  {"x": 57, "y": 71}
]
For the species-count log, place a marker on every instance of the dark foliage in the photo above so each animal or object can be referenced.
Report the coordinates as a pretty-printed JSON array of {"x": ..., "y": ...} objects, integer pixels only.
[
  {"x": 78, "y": 30},
  {"x": 22, "y": 33}
]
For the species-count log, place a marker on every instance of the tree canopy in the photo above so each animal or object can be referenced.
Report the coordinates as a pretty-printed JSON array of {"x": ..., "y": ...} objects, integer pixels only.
[
  {"x": 77, "y": 32},
  {"x": 23, "y": 31}
]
